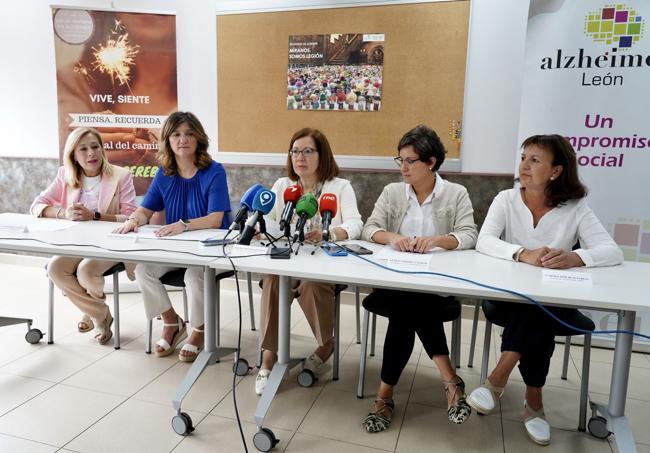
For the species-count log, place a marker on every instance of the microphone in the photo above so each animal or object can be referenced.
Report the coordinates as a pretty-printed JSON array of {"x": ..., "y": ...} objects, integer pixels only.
[
  {"x": 262, "y": 205},
  {"x": 306, "y": 209},
  {"x": 246, "y": 204},
  {"x": 327, "y": 207},
  {"x": 291, "y": 196}
]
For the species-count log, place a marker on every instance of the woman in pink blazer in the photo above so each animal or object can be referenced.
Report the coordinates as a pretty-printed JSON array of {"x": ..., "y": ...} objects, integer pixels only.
[{"x": 86, "y": 187}]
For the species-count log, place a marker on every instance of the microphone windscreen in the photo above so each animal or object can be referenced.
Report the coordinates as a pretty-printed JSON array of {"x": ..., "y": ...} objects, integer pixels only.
[
  {"x": 249, "y": 196},
  {"x": 264, "y": 201},
  {"x": 307, "y": 205},
  {"x": 292, "y": 193},
  {"x": 327, "y": 203}
]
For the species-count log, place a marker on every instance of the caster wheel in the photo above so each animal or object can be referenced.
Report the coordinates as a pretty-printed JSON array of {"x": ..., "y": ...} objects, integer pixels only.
[
  {"x": 241, "y": 368},
  {"x": 264, "y": 440},
  {"x": 182, "y": 424},
  {"x": 306, "y": 378},
  {"x": 597, "y": 427},
  {"x": 33, "y": 336}
]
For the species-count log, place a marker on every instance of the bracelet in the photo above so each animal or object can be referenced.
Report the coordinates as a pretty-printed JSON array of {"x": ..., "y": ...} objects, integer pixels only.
[
  {"x": 332, "y": 235},
  {"x": 58, "y": 212},
  {"x": 518, "y": 253},
  {"x": 137, "y": 222}
]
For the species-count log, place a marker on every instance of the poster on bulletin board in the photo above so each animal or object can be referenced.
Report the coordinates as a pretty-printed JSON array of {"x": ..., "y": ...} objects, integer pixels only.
[
  {"x": 335, "y": 72},
  {"x": 116, "y": 72}
]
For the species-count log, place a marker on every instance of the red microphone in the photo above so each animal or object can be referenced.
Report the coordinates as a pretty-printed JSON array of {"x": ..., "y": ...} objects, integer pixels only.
[
  {"x": 291, "y": 196},
  {"x": 327, "y": 207}
]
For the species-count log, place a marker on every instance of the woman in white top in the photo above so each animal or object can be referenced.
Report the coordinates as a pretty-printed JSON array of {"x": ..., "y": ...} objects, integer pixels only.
[
  {"x": 416, "y": 215},
  {"x": 538, "y": 224},
  {"x": 310, "y": 164}
]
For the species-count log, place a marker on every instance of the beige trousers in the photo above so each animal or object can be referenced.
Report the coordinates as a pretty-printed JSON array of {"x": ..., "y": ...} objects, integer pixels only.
[
  {"x": 315, "y": 299},
  {"x": 82, "y": 280},
  {"x": 155, "y": 297}
]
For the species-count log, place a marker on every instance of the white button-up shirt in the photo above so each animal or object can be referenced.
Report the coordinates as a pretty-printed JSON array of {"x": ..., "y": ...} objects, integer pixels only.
[{"x": 417, "y": 220}]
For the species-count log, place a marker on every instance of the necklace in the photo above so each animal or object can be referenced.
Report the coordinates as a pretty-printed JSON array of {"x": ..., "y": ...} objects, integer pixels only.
[{"x": 88, "y": 181}]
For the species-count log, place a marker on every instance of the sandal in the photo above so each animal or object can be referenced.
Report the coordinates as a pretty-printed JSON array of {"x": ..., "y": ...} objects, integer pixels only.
[
  {"x": 379, "y": 420},
  {"x": 104, "y": 332},
  {"x": 180, "y": 334},
  {"x": 537, "y": 428},
  {"x": 193, "y": 350},
  {"x": 459, "y": 411},
  {"x": 86, "y": 324},
  {"x": 484, "y": 399}
]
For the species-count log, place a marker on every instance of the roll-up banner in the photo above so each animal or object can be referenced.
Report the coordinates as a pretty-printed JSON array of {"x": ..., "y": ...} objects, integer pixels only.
[
  {"x": 116, "y": 71},
  {"x": 586, "y": 77}
]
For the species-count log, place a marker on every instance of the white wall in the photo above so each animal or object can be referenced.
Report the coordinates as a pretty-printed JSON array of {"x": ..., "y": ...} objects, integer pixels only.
[{"x": 28, "y": 80}]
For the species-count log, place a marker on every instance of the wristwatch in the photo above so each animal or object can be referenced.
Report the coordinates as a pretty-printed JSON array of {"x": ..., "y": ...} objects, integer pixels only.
[
  {"x": 97, "y": 216},
  {"x": 186, "y": 225}
]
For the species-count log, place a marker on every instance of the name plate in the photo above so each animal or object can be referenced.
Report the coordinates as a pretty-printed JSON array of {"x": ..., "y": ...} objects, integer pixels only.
[
  {"x": 554, "y": 275},
  {"x": 243, "y": 250}
]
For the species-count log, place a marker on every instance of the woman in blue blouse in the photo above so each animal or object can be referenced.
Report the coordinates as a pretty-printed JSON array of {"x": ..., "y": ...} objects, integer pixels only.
[{"x": 192, "y": 190}]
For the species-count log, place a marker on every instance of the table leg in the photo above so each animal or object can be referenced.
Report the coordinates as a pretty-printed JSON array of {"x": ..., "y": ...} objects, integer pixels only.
[{"x": 614, "y": 412}]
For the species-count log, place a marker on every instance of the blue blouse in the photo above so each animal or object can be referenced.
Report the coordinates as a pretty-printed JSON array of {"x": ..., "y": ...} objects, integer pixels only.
[{"x": 202, "y": 194}]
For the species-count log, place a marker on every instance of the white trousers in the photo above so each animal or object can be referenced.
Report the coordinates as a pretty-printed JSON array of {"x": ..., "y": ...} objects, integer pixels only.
[{"x": 154, "y": 295}]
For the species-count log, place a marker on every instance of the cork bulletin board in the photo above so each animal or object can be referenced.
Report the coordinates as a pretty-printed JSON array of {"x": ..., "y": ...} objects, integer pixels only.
[{"x": 423, "y": 80}]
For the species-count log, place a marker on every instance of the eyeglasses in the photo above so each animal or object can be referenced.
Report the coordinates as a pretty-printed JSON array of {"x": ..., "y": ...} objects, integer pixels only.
[
  {"x": 409, "y": 162},
  {"x": 307, "y": 152}
]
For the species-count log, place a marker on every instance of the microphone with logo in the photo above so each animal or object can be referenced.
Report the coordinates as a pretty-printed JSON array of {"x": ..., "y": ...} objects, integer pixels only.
[
  {"x": 327, "y": 207},
  {"x": 245, "y": 205},
  {"x": 306, "y": 208},
  {"x": 291, "y": 196},
  {"x": 262, "y": 205}
]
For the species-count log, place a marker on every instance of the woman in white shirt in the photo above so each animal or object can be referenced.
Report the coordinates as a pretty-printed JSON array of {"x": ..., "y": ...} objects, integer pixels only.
[
  {"x": 416, "y": 215},
  {"x": 311, "y": 165},
  {"x": 538, "y": 224}
]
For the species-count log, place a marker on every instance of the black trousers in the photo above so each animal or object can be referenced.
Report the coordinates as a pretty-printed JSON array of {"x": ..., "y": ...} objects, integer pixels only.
[
  {"x": 531, "y": 333},
  {"x": 408, "y": 314}
]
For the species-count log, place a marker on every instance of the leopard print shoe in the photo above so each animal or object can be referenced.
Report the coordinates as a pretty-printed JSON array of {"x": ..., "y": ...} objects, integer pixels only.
[
  {"x": 459, "y": 411},
  {"x": 379, "y": 419}
]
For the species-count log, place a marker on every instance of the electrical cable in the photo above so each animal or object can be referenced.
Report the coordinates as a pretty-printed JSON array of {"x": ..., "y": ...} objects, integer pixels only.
[{"x": 503, "y": 290}]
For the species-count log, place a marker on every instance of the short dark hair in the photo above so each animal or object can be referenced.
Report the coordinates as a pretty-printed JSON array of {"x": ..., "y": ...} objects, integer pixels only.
[
  {"x": 567, "y": 186},
  {"x": 327, "y": 167},
  {"x": 166, "y": 157},
  {"x": 425, "y": 143}
]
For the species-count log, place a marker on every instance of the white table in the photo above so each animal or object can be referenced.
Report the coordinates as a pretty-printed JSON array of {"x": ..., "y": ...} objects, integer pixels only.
[
  {"x": 91, "y": 239},
  {"x": 624, "y": 289}
]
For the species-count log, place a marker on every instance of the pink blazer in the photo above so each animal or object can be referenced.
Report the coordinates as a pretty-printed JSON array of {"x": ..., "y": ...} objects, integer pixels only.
[{"x": 116, "y": 194}]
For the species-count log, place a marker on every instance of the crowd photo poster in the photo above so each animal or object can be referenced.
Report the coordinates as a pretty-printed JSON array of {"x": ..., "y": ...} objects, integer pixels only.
[
  {"x": 116, "y": 72},
  {"x": 335, "y": 72}
]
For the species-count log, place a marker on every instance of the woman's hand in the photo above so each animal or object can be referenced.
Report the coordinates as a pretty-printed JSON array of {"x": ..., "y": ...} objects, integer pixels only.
[
  {"x": 533, "y": 256},
  {"x": 129, "y": 225},
  {"x": 560, "y": 259},
  {"x": 424, "y": 243},
  {"x": 78, "y": 212},
  {"x": 402, "y": 243},
  {"x": 314, "y": 236},
  {"x": 170, "y": 230}
]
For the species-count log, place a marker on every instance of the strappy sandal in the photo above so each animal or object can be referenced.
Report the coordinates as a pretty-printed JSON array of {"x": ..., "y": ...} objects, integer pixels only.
[
  {"x": 484, "y": 399},
  {"x": 104, "y": 332},
  {"x": 379, "y": 420},
  {"x": 87, "y": 322},
  {"x": 180, "y": 334},
  {"x": 459, "y": 411},
  {"x": 193, "y": 350}
]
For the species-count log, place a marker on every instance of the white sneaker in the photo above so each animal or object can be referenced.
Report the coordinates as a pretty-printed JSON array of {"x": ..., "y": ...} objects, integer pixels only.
[
  {"x": 536, "y": 426},
  {"x": 261, "y": 380}
]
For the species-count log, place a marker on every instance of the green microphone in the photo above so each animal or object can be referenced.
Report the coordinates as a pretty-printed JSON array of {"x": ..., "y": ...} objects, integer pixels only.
[{"x": 306, "y": 208}]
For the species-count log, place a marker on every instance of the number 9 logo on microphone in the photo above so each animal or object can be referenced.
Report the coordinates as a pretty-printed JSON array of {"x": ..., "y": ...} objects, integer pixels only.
[{"x": 266, "y": 197}]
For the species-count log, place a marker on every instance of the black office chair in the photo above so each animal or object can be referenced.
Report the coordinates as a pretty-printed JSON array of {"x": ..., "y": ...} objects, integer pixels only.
[
  {"x": 114, "y": 271},
  {"x": 451, "y": 312},
  {"x": 574, "y": 317},
  {"x": 176, "y": 278},
  {"x": 306, "y": 378}
]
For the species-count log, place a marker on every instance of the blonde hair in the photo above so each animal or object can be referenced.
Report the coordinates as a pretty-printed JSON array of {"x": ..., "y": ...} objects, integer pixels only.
[{"x": 73, "y": 170}]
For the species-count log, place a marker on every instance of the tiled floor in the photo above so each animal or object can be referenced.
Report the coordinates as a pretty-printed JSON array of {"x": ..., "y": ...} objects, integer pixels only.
[{"x": 78, "y": 396}]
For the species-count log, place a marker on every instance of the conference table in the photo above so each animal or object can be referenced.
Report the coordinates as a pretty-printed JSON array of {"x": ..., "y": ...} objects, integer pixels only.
[{"x": 623, "y": 289}]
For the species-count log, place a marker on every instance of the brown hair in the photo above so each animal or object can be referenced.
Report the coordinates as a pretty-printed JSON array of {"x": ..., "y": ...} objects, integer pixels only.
[
  {"x": 567, "y": 186},
  {"x": 327, "y": 167},
  {"x": 72, "y": 167},
  {"x": 166, "y": 157}
]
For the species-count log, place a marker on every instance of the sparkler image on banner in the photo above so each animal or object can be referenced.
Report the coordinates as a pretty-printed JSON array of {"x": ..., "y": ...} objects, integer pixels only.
[{"x": 116, "y": 57}]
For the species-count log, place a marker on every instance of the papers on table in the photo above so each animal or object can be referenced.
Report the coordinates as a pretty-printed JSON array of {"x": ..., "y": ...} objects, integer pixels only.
[
  {"x": 149, "y": 232},
  {"x": 22, "y": 223},
  {"x": 555, "y": 275},
  {"x": 405, "y": 260}
]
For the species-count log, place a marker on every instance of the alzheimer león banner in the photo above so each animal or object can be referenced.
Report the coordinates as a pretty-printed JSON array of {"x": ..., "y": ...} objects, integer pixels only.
[
  {"x": 586, "y": 77},
  {"x": 116, "y": 71}
]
